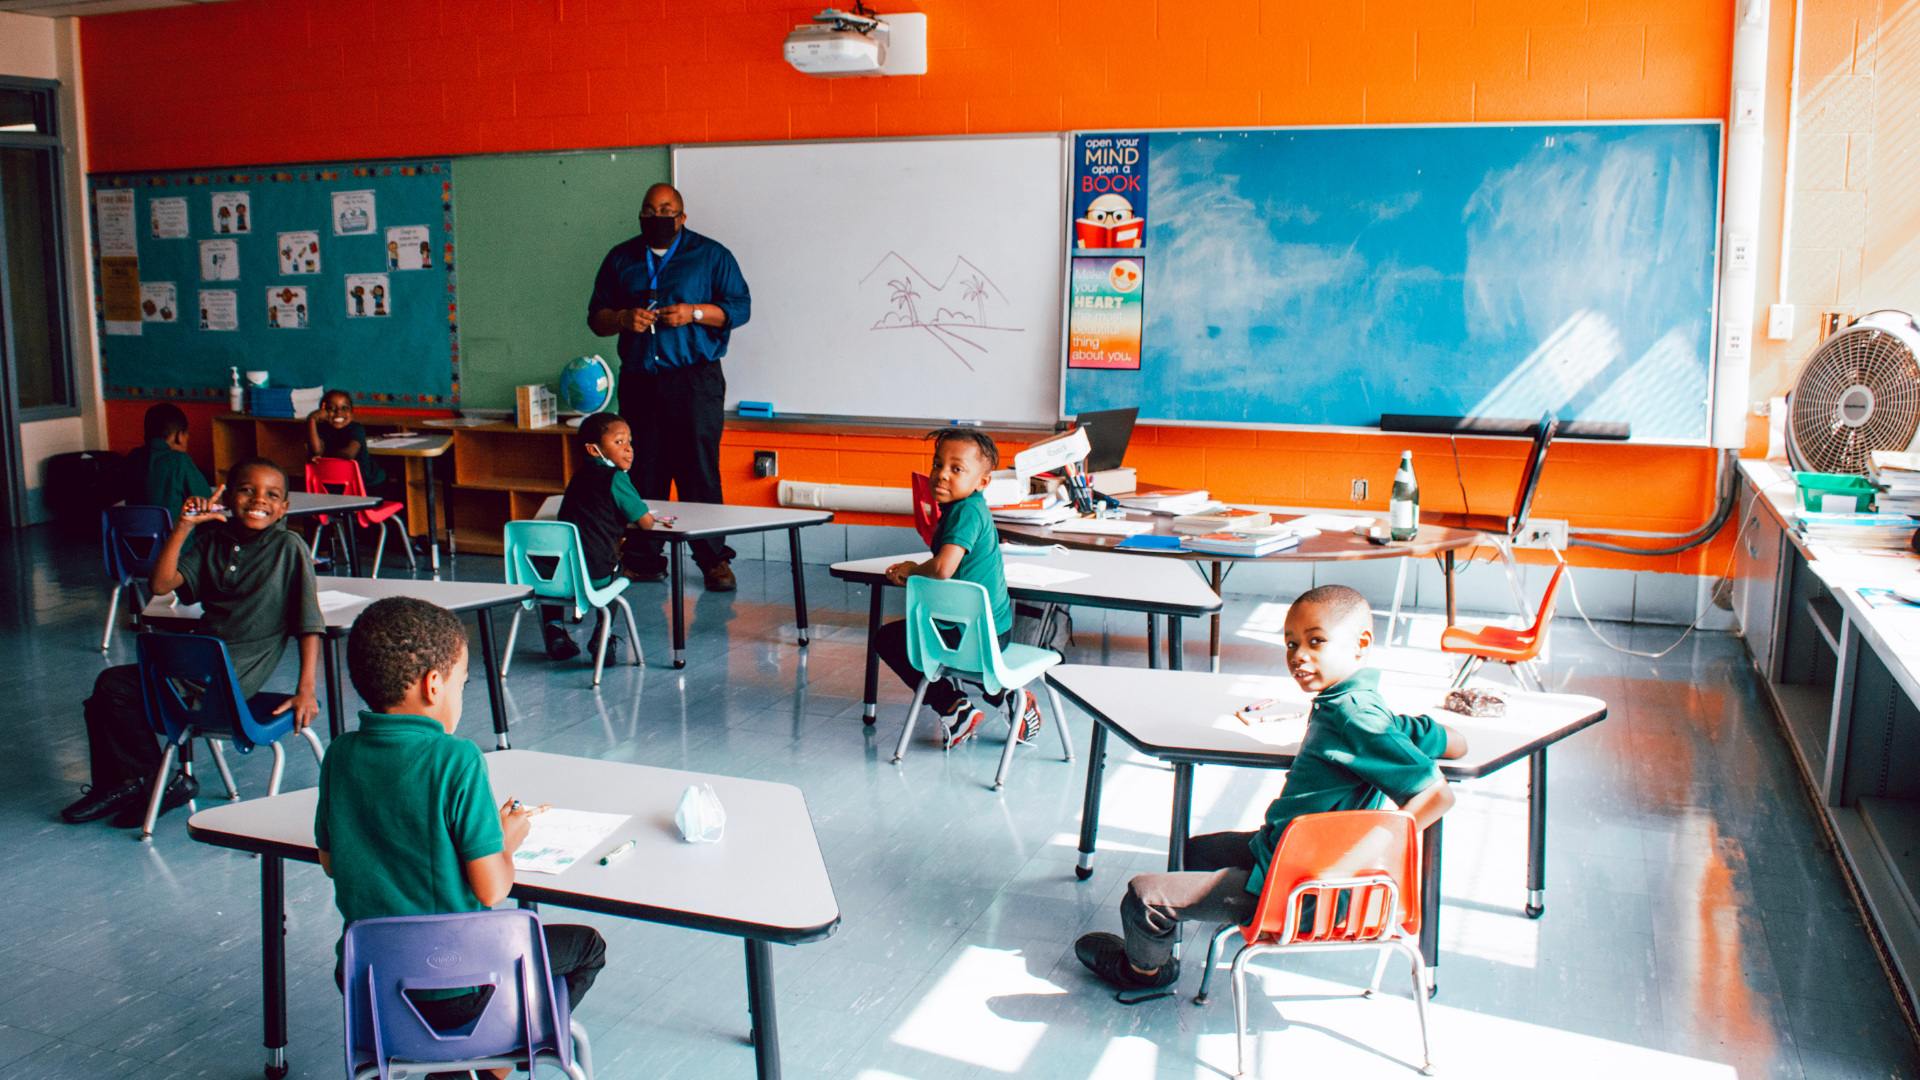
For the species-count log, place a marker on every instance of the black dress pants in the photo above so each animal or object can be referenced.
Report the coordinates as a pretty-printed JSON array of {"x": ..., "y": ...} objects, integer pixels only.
[
  {"x": 120, "y": 744},
  {"x": 677, "y": 416}
]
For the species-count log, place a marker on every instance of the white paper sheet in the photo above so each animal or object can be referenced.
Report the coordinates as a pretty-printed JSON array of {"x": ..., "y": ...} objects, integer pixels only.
[
  {"x": 400, "y": 442},
  {"x": 334, "y": 600},
  {"x": 1330, "y": 522},
  {"x": 1104, "y": 526},
  {"x": 1039, "y": 576},
  {"x": 560, "y": 838}
]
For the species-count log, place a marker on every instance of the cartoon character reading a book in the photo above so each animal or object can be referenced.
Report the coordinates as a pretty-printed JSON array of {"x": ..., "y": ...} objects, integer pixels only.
[
  {"x": 359, "y": 294},
  {"x": 379, "y": 299},
  {"x": 393, "y": 255},
  {"x": 1110, "y": 223}
]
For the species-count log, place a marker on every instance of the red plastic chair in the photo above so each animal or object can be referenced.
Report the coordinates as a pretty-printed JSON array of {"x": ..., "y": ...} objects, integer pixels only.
[
  {"x": 341, "y": 477},
  {"x": 1515, "y": 648},
  {"x": 1362, "y": 870},
  {"x": 926, "y": 512}
]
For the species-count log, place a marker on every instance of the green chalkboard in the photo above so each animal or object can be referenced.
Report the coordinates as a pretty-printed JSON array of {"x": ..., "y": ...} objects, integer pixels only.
[{"x": 533, "y": 229}]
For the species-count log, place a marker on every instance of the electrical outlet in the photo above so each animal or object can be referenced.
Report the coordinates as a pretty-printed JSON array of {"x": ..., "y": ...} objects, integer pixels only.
[
  {"x": 1543, "y": 533},
  {"x": 766, "y": 463},
  {"x": 1360, "y": 490}
]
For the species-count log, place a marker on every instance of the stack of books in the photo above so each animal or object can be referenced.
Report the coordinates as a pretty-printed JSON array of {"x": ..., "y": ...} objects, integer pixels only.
[
  {"x": 1256, "y": 542},
  {"x": 1897, "y": 475},
  {"x": 1225, "y": 519},
  {"x": 1041, "y": 511},
  {"x": 284, "y": 402},
  {"x": 1167, "y": 502},
  {"x": 1885, "y": 532}
]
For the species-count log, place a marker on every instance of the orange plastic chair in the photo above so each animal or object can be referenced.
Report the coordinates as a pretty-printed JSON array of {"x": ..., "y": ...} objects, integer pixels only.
[
  {"x": 342, "y": 477},
  {"x": 1515, "y": 648},
  {"x": 1362, "y": 870}
]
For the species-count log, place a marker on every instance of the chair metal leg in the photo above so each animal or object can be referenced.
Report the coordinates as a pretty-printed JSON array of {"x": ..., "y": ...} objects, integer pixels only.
[
  {"x": 602, "y": 629},
  {"x": 913, "y": 713},
  {"x": 1015, "y": 699},
  {"x": 157, "y": 792},
  {"x": 226, "y": 774},
  {"x": 113, "y": 612},
  {"x": 1213, "y": 951},
  {"x": 639, "y": 658},
  {"x": 379, "y": 549},
  {"x": 513, "y": 631},
  {"x": 1379, "y": 971},
  {"x": 1505, "y": 548},
  {"x": 1467, "y": 667},
  {"x": 406, "y": 542},
  {"x": 1240, "y": 1012},
  {"x": 582, "y": 1051},
  {"x": 1532, "y": 672},
  {"x": 1420, "y": 1004},
  {"x": 279, "y": 770},
  {"x": 1060, "y": 722},
  {"x": 313, "y": 741},
  {"x": 1399, "y": 590}
]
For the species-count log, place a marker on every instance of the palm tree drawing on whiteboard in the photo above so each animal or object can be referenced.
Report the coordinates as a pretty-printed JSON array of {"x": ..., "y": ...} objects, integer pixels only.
[{"x": 961, "y": 331}]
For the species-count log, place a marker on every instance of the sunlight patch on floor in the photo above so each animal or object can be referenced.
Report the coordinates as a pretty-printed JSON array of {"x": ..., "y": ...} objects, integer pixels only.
[{"x": 954, "y": 1019}]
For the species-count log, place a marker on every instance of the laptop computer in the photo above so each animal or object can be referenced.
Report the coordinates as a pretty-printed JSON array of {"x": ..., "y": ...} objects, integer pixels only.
[{"x": 1108, "y": 433}]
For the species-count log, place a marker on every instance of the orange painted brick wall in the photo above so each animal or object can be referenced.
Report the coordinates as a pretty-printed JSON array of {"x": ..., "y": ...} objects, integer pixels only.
[{"x": 261, "y": 81}]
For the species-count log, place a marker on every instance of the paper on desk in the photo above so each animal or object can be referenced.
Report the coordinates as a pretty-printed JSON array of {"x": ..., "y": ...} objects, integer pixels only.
[
  {"x": 560, "y": 838},
  {"x": 1039, "y": 576},
  {"x": 458, "y": 421},
  {"x": 334, "y": 600},
  {"x": 1285, "y": 733},
  {"x": 1338, "y": 523},
  {"x": 399, "y": 442}
]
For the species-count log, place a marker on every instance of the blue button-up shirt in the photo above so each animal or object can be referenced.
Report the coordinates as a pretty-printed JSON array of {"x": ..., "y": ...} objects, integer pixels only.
[{"x": 701, "y": 272}]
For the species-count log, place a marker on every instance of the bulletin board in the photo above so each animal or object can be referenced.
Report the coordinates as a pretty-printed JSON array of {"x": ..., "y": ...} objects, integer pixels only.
[{"x": 336, "y": 275}]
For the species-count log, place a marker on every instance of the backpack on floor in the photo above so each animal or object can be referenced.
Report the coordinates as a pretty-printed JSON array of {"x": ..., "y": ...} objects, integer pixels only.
[{"x": 1045, "y": 626}]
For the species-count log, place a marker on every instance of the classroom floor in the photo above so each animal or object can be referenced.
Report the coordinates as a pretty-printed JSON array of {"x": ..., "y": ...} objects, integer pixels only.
[{"x": 1695, "y": 926}]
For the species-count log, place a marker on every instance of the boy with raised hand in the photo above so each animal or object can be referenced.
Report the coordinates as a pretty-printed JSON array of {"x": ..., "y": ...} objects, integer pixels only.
[
  {"x": 406, "y": 821},
  {"x": 160, "y": 473},
  {"x": 601, "y": 502},
  {"x": 254, "y": 583},
  {"x": 1356, "y": 755},
  {"x": 965, "y": 546}
]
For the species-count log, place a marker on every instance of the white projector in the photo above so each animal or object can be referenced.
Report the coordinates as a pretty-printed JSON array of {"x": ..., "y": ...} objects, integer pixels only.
[{"x": 837, "y": 45}]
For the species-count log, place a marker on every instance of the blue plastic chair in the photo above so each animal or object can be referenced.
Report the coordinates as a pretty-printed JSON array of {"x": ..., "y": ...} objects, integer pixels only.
[
  {"x": 934, "y": 605},
  {"x": 526, "y": 1020},
  {"x": 166, "y": 660},
  {"x": 131, "y": 537},
  {"x": 565, "y": 579}
]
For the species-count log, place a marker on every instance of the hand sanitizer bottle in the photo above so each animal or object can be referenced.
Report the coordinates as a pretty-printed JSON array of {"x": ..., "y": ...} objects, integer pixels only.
[
  {"x": 1403, "y": 507},
  {"x": 236, "y": 396}
]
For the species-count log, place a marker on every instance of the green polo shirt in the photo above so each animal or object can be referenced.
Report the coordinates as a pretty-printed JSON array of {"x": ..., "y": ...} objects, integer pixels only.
[
  {"x": 403, "y": 808},
  {"x": 1357, "y": 754},
  {"x": 166, "y": 477},
  {"x": 969, "y": 524},
  {"x": 335, "y": 440},
  {"x": 255, "y": 589}
]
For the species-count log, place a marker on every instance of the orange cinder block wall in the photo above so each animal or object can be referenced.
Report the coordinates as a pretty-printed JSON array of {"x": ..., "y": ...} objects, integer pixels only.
[{"x": 261, "y": 81}]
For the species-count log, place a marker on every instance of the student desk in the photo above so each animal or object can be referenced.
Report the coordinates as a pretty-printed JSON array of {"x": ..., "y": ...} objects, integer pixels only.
[
  {"x": 1106, "y": 581},
  {"x": 700, "y": 521},
  {"x": 1435, "y": 540},
  {"x": 302, "y": 504},
  {"x": 721, "y": 888},
  {"x": 1186, "y": 718},
  {"x": 478, "y": 597},
  {"x": 418, "y": 454}
]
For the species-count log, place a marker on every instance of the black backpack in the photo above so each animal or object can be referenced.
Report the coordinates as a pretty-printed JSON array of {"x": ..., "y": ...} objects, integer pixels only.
[{"x": 80, "y": 485}]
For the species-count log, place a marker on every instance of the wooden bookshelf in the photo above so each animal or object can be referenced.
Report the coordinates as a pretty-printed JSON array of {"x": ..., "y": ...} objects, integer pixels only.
[{"x": 237, "y": 437}]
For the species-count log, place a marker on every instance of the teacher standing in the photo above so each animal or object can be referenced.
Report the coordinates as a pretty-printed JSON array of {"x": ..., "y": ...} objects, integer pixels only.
[{"x": 674, "y": 297}]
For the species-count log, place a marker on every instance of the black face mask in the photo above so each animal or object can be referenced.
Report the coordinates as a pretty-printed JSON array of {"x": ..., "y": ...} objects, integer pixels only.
[{"x": 658, "y": 232}]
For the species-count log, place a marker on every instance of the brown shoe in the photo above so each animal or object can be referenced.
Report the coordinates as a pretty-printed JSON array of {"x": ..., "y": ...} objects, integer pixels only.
[{"x": 720, "y": 578}]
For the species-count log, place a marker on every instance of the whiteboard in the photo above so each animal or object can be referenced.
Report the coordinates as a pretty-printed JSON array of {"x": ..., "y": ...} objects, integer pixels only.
[{"x": 902, "y": 278}]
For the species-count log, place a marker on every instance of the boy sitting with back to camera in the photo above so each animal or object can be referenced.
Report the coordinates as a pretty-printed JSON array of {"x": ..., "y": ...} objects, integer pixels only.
[
  {"x": 965, "y": 546},
  {"x": 406, "y": 823},
  {"x": 160, "y": 473},
  {"x": 1357, "y": 753},
  {"x": 254, "y": 583},
  {"x": 601, "y": 502}
]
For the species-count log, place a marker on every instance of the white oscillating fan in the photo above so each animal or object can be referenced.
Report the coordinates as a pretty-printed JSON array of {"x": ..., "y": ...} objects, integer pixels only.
[{"x": 1859, "y": 393}]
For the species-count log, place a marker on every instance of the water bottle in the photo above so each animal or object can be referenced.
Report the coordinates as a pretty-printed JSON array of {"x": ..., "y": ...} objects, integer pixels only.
[{"x": 1403, "y": 507}]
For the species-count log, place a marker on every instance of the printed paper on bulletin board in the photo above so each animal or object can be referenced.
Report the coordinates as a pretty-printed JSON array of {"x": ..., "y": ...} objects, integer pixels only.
[{"x": 410, "y": 356}]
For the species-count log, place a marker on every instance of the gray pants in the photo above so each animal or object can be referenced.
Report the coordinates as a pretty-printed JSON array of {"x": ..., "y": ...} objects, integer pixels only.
[{"x": 1213, "y": 889}]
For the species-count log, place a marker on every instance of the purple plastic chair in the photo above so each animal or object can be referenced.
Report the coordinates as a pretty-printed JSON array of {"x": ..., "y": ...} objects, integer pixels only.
[
  {"x": 526, "y": 1021},
  {"x": 131, "y": 537}
]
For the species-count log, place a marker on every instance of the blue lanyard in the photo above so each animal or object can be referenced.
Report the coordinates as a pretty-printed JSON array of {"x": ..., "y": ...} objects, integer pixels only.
[{"x": 653, "y": 272}]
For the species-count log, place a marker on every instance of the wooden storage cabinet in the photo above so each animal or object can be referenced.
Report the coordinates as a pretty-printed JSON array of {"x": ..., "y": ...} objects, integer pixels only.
[
  {"x": 237, "y": 437},
  {"x": 503, "y": 473}
]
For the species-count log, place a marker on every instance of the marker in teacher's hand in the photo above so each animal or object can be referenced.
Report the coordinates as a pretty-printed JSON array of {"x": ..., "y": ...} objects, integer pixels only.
[{"x": 610, "y": 857}]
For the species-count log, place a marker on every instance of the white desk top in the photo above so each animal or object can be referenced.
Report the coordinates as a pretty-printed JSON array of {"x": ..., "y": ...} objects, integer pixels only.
[
  {"x": 693, "y": 521},
  {"x": 764, "y": 880},
  {"x": 1893, "y": 630},
  {"x": 1105, "y": 580},
  {"x": 1188, "y": 715},
  {"x": 452, "y": 595},
  {"x": 301, "y": 502}
]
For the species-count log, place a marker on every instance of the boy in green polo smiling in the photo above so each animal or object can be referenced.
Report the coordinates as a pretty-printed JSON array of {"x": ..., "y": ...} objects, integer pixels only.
[
  {"x": 406, "y": 823},
  {"x": 1357, "y": 753}
]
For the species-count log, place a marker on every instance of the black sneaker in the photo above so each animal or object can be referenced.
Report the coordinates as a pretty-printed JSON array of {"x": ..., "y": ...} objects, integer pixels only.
[
  {"x": 644, "y": 577},
  {"x": 960, "y": 725},
  {"x": 1106, "y": 956},
  {"x": 560, "y": 644},
  {"x": 95, "y": 802},
  {"x": 613, "y": 649},
  {"x": 179, "y": 793},
  {"x": 1030, "y": 720}
]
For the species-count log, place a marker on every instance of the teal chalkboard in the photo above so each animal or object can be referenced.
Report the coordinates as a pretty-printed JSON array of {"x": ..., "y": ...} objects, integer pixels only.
[{"x": 407, "y": 356}]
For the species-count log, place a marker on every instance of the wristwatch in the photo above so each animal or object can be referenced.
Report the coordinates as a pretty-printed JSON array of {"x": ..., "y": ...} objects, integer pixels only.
[{"x": 698, "y": 314}]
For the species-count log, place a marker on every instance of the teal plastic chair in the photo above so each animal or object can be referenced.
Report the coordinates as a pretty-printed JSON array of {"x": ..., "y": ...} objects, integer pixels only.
[
  {"x": 934, "y": 606},
  {"x": 562, "y": 578}
]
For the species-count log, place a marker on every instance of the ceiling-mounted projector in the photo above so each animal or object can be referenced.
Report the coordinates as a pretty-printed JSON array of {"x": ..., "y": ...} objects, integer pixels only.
[{"x": 841, "y": 44}]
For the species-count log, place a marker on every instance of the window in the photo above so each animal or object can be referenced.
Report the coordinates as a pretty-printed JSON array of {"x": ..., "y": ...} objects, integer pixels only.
[{"x": 35, "y": 339}]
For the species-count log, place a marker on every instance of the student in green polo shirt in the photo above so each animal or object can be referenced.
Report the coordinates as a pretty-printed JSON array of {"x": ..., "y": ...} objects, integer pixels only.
[
  {"x": 406, "y": 822},
  {"x": 1356, "y": 755},
  {"x": 965, "y": 546},
  {"x": 601, "y": 503},
  {"x": 160, "y": 473}
]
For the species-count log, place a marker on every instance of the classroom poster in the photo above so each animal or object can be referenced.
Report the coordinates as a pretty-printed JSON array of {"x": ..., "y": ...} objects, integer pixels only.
[
  {"x": 408, "y": 248},
  {"x": 299, "y": 253},
  {"x": 219, "y": 260},
  {"x": 168, "y": 218},
  {"x": 353, "y": 213},
  {"x": 219, "y": 309},
  {"x": 120, "y": 294},
  {"x": 119, "y": 238},
  {"x": 230, "y": 212},
  {"x": 287, "y": 307},
  {"x": 1109, "y": 191},
  {"x": 367, "y": 296},
  {"x": 1104, "y": 319},
  {"x": 159, "y": 302}
]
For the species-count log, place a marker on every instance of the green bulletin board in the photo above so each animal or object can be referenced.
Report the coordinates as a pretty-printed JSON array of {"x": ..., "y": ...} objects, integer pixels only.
[
  {"x": 386, "y": 227},
  {"x": 533, "y": 229}
]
